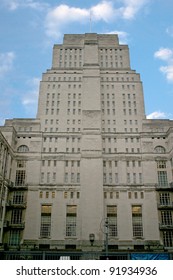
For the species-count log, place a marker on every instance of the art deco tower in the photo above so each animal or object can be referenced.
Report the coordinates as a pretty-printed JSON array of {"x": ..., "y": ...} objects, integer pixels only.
[{"x": 90, "y": 155}]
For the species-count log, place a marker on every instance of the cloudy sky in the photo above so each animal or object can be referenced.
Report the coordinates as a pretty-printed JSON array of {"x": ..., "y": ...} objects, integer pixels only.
[{"x": 29, "y": 28}]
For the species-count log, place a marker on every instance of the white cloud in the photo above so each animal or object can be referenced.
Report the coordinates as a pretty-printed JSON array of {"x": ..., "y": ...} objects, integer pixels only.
[
  {"x": 32, "y": 4},
  {"x": 132, "y": 7},
  {"x": 106, "y": 11},
  {"x": 61, "y": 15},
  {"x": 12, "y": 4},
  {"x": 103, "y": 11},
  {"x": 168, "y": 71},
  {"x": 166, "y": 55},
  {"x": 6, "y": 62},
  {"x": 157, "y": 115},
  {"x": 122, "y": 35}
]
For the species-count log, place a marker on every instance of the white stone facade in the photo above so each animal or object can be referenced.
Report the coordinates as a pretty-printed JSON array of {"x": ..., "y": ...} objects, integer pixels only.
[{"x": 90, "y": 155}]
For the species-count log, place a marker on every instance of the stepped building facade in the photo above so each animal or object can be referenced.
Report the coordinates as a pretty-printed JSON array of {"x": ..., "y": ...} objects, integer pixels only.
[{"x": 90, "y": 167}]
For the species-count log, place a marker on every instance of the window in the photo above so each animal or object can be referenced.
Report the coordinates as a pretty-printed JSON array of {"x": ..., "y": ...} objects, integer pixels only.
[
  {"x": 14, "y": 238},
  {"x": 78, "y": 177},
  {"x": 18, "y": 197},
  {"x": 16, "y": 216},
  {"x": 20, "y": 177},
  {"x": 116, "y": 178},
  {"x": 48, "y": 177},
  {"x": 23, "y": 149},
  {"x": 21, "y": 164},
  {"x": 112, "y": 220},
  {"x": 65, "y": 194},
  {"x": 159, "y": 150},
  {"x": 66, "y": 177},
  {"x": 45, "y": 227},
  {"x": 166, "y": 218},
  {"x": 111, "y": 195},
  {"x": 162, "y": 178},
  {"x": 140, "y": 178},
  {"x": 165, "y": 199},
  {"x": 41, "y": 194},
  {"x": 137, "y": 221},
  {"x": 72, "y": 178},
  {"x": 129, "y": 195},
  {"x": 71, "y": 216},
  {"x": 110, "y": 178},
  {"x": 161, "y": 164},
  {"x": 168, "y": 238},
  {"x": 142, "y": 195},
  {"x": 47, "y": 194},
  {"x": 128, "y": 178},
  {"x": 134, "y": 178},
  {"x": 104, "y": 178}
]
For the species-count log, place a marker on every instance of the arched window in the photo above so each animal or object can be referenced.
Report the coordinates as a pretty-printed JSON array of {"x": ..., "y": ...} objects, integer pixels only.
[
  {"x": 159, "y": 150},
  {"x": 23, "y": 149}
]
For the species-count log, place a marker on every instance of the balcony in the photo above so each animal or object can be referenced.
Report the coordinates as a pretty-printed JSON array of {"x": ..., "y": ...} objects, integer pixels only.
[
  {"x": 14, "y": 204},
  {"x": 165, "y": 205},
  {"x": 163, "y": 226},
  {"x": 16, "y": 225},
  {"x": 13, "y": 186},
  {"x": 168, "y": 187}
]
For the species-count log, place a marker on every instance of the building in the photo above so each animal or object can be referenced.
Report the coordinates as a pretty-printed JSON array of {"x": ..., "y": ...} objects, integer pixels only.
[
  {"x": 6, "y": 159},
  {"x": 90, "y": 166}
]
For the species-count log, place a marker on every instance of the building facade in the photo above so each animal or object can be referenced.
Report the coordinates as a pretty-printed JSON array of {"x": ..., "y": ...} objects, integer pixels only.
[{"x": 90, "y": 164}]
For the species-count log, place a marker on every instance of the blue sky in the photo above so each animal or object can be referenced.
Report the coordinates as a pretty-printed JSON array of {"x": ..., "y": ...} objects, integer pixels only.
[{"x": 29, "y": 28}]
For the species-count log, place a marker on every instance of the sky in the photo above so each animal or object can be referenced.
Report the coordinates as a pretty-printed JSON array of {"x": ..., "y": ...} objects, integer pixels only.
[{"x": 30, "y": 28}]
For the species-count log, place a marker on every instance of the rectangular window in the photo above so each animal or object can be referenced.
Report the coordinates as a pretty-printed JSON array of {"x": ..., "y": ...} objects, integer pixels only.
[
  {"x": 78, "y": 177},
  {"x": 71, "y": 219},
  {"x": 20, "y": 177},
  {"x": 161, "y": 164},
  {"x": 45, "y": 227},
  {"x": 104, "y": 178},
  {"x": 16, "y": 216},
  {"x": 168, "y": 238},
  {"x": 14, "y": 238},
  {"x": 137, "y": 221},
  {"x": 42, "y": 177},
  {"x": 21, "y": 164},
  {"x": 166, "y": 218},
  {"x": 116, "y": 178},
  {"x": 18, "y": 197},
  {"x": 140, "y": 178},
  {"x": 128, "y": 178},
  {"x": 66, "y": 177},
  {"x": 110, "y": 178},
  {"x": 134, "y": 178},
  {"x": 54, "y": 177},
  {"x": 72, "y": 178},
  {"x": 165, "y": 199},
  {"x": 48, "y": 177},
  {"x": 162, "y": 178},
  {"x": 112, "y": 220}
]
